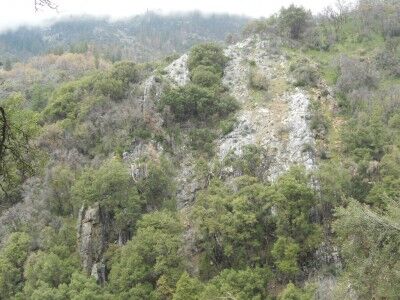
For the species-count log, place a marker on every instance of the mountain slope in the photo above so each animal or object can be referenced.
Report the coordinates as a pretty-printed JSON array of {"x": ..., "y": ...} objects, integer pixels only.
[{"x": 141, "y": 38}]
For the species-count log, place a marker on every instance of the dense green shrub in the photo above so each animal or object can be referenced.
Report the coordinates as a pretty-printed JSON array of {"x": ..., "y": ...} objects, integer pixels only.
[
  {"x": 110, "y": 87},
  {"x": 286, "y": 255},
  {"x": 125, "y": 71},
  {"x": 234, "y": 228},
  {"x": 59, "y": 181},
  {"x": 210, "y": 55},
  {"x": 291, "y": 292},
  {"x": 69, "y": 99},
  {"x": 249, "y": 283},
  {"x": 192, "y": 101},
  {"x": 205, "y": 76},
  {"x": 294, "y": 20},
  {"x": 19, "y": 157},
  {"x": 12, "y": 258},
  {"x": 202, "y": 140},
  {"x": 64, "y": 102},
  {"x": 294, "y": 202},
  {"x": 158, "y": 187},
  {"x": 47, "y": 268},
  {"x": 151, "y": 263},
  {"x": 366, "y": 136},
  {"x": 112, "y": 187},
  {"x": 39, "y": 96}
]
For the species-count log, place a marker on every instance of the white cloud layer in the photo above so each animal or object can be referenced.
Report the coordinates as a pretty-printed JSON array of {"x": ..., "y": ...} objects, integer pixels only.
[{"x": 17, "y": 12}]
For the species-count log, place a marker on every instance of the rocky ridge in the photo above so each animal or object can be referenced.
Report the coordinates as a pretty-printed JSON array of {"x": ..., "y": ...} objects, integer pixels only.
[{"x": 277, "y": 120}]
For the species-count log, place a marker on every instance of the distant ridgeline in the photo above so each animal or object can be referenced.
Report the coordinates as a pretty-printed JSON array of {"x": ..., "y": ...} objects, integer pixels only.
[{"x": 142, "y": 38}]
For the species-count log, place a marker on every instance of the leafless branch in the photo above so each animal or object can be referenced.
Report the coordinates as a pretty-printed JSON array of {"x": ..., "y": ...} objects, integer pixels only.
[
  {"x": 39, "y": 4},
  {"x": 3, "y": 123}
]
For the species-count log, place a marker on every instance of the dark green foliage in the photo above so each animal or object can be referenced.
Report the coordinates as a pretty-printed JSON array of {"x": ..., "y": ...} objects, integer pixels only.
[
  {"x": 72, "y": 99},
  {"x": 125, "y": 71},
  {"x": 39, "y": 97},
  {"x": 64, "y": 102},
  {"x": 46, "y": 269},
  {"x": 294, "y": 20},
  {"x": 250, "y": 283},
  {"x": 210, "y": 55},
  {"x": 157, "y": 189},
  {"x": 12, "y": 259},
  {"x": 206, "y": 76},
  {"x": 110, "y": 87},
  {"x": 59, "y": 182},
  {"x": 19, "y": 158},
  {"x": 202, "y": 140},
  {"x": 286, "y": 255},
  {"x": 203, "y": 99},
  {"x": 238, "y": 229},
  {"x": 234, "y": 227},
  {"x": 195, "y": 102},
  {"x": 115, "y": 84},
  {"x": 188, "y": 288},
  {"x": 294, "y": 205},
  {"x": 151, "y": 263},
  {"x": 291, "y": 292},
  {"x": 366, "y": 136},
  {"x": 113, "y": 188},
  {"x": 297, "y": 236}
]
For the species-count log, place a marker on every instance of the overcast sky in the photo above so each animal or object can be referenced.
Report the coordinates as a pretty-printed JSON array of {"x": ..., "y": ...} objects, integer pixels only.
[{"x": 16, "y": 12}]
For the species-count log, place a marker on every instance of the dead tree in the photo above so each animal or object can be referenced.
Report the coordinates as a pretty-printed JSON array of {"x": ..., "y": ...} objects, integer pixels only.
[{"x": 39, "y": 4}]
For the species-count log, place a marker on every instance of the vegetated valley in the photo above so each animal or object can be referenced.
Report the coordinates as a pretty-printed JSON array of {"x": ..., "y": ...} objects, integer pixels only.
[{"x": 232, "y": 159}]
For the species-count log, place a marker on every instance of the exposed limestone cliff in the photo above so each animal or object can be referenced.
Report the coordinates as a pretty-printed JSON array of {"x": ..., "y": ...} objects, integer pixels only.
[
  {"x": 276, "y": 120},
  {"x": 178, "y": 70}
]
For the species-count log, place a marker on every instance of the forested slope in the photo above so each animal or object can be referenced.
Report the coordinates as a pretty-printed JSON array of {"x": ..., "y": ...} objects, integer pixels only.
[
  {"x": 141, "y": 38},
  {"x": 266, "y": 169}
]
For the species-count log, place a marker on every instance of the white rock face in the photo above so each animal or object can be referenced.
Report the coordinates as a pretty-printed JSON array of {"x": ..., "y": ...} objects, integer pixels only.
[
  {"x": 178, "y": 71},
  {"x": 243, "y": 134},
  {"x": 279, "y": 123},
  {"x": 296, "y": 150}
]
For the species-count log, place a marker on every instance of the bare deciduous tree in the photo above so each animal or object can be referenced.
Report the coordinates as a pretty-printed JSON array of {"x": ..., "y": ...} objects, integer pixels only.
[{"x": 44, "y": 3}]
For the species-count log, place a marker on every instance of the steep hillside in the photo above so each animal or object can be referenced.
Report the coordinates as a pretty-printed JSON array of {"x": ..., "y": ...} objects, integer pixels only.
[{"x": 265, "y": 169}]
